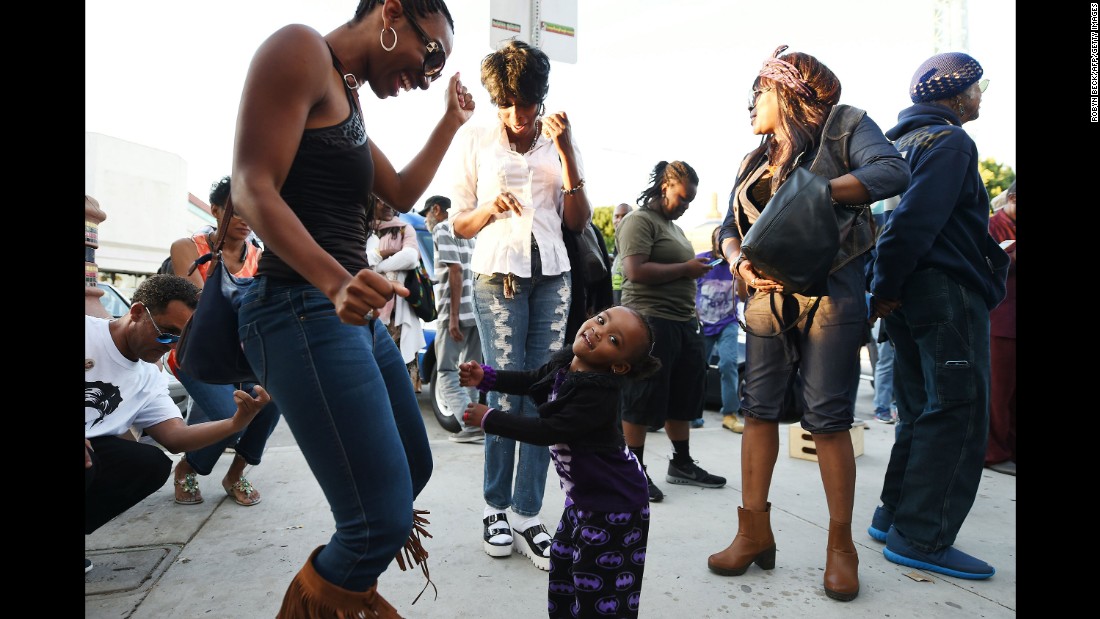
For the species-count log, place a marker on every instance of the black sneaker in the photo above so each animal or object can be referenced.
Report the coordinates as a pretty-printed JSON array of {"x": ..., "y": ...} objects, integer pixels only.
[
  {"x": 655, "y": 494},
  {"x": 691, "y": 474},
  {"x": 497, "y": 535},
  {"x": 534, "y": 543},
  {"x": 87, "y": 565}
]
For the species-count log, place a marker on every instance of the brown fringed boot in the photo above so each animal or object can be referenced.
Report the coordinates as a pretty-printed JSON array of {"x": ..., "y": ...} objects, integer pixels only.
[
  {"x": 754, "y": 543},
  {"x": 841, "y": 563},
  {"x": 413, "y": 553},
  {"x": 310, "y": 596}
]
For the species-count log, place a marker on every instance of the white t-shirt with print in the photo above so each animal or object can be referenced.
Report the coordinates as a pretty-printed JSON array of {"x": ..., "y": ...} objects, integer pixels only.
[{"x": 119, "y": 393}]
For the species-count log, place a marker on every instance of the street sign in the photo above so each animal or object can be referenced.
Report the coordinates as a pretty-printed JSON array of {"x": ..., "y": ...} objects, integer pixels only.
[{"x": 550, "y": 25}]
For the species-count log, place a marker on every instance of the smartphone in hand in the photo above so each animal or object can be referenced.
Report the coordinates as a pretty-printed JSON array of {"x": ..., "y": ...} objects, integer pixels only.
[{"x": 715, "y": 262}]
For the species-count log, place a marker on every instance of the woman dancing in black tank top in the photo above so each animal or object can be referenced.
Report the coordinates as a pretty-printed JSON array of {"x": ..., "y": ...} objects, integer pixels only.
[{"x": 303, "y": 167}]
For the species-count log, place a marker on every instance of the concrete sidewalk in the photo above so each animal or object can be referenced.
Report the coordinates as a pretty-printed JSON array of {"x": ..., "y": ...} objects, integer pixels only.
[{"x": 220, "y": 560}]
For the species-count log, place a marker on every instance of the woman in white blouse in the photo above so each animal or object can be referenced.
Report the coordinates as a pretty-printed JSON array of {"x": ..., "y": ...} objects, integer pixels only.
[{"x": 519, "y": 180}]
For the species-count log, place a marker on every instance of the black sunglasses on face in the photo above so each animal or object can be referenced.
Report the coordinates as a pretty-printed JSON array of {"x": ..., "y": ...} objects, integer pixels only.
[
  {"x": 162, "y": 337},
  {"x": 434, "y": 58}
]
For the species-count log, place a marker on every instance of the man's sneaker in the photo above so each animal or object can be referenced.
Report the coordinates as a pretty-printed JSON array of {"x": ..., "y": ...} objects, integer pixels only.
[
  {"x": 945, "y": 561},
  {"x": 880, "y": 523},
  {"x": 697, "y": 423},
  {"x": 534, "y": 543},
  {"x": 733, "y": 424},
  {"x": 885, "y": 416},
  {"x": 497, "y": 535},
  {"x": 468, "y": 434},
  {"x": 1008, "y": 467},
  {"x": 691, "y": 474},
  {"x": 87, "y": 565},
  {"x": 655, "y": 494}
]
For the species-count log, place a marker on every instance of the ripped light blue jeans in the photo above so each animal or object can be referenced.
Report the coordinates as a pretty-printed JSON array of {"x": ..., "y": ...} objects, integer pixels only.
[{"x": 519, "y": 334}]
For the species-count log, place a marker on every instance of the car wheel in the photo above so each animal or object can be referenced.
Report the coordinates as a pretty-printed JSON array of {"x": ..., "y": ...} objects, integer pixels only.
[{"x": 443, "y": 415}]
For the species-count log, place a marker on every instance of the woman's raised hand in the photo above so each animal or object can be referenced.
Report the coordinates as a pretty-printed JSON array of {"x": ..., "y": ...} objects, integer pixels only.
[
  {"x": 556, "y": 127},
  {"x": 460, "y": 103}
]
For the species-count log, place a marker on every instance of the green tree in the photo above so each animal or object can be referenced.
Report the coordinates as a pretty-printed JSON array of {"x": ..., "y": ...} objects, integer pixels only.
[
  {"x": 996, "y": 176},
  {"x": 601, "y": 216}
]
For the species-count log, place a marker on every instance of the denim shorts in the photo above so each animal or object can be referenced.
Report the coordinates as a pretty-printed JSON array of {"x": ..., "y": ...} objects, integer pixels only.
[{"x": 823, "y": 347}]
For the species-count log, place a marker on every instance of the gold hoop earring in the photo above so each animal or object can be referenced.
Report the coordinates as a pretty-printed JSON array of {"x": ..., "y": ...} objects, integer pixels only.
[{"x": 382, "y": 39}]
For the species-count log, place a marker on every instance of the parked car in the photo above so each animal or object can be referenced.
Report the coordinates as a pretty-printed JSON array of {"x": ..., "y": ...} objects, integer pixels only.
[{"x": 117, "y": 304}]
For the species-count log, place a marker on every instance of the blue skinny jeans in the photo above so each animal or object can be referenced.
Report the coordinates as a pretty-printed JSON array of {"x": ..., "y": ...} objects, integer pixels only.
[{"x": 345, "y": 393}]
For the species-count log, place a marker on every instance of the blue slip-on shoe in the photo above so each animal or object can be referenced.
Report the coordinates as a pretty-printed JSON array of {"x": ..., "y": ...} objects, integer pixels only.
[
  {"x": 880, "y": 523},
  {"x": 949, "y": 560}
]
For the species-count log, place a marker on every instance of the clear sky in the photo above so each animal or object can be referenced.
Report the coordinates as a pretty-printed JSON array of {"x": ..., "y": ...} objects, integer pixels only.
[{"x": 654, "y": 79}]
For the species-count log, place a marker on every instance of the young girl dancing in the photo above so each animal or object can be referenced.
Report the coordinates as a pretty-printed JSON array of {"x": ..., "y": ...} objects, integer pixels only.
[{"x": 598, "y": 553}]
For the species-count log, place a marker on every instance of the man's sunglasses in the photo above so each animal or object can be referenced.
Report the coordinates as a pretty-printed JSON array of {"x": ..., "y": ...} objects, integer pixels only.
[
  {"x": 434, "y": 58},
  {"x": 162, "y": 337}
]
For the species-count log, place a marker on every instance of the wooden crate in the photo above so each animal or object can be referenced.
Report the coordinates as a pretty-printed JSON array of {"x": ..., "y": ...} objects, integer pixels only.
[{"x": 802, "y": 442}]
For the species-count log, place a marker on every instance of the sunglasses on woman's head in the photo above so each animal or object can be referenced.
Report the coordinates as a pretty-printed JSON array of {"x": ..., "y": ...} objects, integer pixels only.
[{"x": 434, "y": 58}]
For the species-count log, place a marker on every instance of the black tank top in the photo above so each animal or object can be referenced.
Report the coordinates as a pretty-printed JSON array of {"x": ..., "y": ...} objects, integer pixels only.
[{"x": 327, "y": 188}]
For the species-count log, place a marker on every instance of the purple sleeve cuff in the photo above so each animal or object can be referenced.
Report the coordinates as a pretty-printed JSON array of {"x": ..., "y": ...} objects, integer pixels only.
[
  {"x": 489, "y": 380},
  {"x": 486, "y": 416}
]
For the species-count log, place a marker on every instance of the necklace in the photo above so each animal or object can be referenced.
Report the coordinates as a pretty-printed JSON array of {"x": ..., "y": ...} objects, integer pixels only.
[{"x": 538, "y": 125}]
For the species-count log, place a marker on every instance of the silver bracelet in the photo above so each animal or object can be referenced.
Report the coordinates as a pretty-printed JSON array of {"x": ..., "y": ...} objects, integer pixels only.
[{"x": 574, "y": 190}]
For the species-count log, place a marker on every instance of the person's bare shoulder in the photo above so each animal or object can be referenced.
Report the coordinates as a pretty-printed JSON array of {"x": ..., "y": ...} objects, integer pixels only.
[{"x": 294, "y": 52}]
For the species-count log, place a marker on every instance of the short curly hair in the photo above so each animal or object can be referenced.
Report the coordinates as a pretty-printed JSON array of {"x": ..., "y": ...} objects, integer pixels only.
[
  {"x": 219, "y": 192},
  {"x": 158, "y": 291},
  {"x": 518, "y": 73}
]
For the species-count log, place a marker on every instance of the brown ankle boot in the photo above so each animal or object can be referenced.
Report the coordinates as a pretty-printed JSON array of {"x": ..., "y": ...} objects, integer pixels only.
[
  {"x": 310, "y": 596},
  {"x": 754, "y": 543},
  {"x": 841, "y": 563}
]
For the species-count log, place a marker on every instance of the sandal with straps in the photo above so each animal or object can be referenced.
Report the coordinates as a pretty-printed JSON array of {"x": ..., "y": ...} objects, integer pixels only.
[
  {"x": 187, "y": 490},
  {"x": 243, "y": 486}
]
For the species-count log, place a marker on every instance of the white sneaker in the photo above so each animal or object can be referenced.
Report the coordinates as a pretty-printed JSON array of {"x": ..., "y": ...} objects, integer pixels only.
[{"x": 468, "y": 434}]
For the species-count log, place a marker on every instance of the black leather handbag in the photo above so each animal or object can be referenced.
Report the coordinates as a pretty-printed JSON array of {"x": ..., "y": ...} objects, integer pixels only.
[
  {"x": 210, "y": 348},
  {"x": 798, "y": 234}
]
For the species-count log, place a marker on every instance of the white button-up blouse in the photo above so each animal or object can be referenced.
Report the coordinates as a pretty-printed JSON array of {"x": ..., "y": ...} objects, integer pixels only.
[{"x": 484, "y": 166}]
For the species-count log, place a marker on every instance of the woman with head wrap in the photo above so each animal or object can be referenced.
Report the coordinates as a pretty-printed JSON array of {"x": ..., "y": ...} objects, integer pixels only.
[{"x": 794, "y": 105}]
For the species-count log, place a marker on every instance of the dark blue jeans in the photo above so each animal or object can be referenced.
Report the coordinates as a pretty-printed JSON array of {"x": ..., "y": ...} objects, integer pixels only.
[
  {"x": 346, "y": 395},
  {"x": 941, "y": 386},
  {"x": 215, "y": 402}
]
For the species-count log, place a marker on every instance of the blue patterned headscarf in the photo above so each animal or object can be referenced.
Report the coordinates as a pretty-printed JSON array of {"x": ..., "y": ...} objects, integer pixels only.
[{"x": 943, "y": 76}]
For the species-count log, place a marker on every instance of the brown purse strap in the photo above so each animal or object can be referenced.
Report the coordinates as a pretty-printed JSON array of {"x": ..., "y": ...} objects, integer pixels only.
[{"x": 215, "y": 253}]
